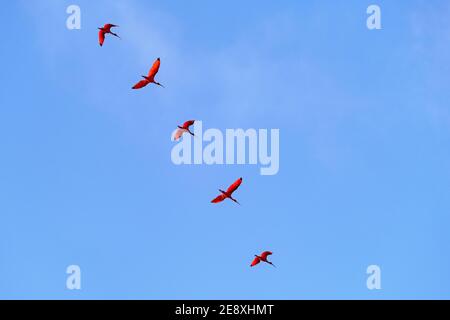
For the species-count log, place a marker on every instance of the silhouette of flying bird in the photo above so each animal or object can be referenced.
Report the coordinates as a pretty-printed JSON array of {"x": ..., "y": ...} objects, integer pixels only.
[
  {"x": 263, "y": 258},
  {"x": 150, "y": 78},
  {"x": 228, "y": 194},
  {"x": 184, "y": 128},
  {"x": 104, "y": 30}
]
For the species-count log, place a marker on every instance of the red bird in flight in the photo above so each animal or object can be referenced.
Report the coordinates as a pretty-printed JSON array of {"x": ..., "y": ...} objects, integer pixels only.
[
  {"x": 263, "y": 258},
  {"x": 104, "y": 30},
  {"x": 228, "y": 193},
  {"x": 150, "y": 78},
  {"x": 182, "y": 129}
]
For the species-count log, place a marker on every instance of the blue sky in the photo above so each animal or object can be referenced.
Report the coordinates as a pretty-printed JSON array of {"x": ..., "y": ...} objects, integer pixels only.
[{"x": 86, "y": 176}]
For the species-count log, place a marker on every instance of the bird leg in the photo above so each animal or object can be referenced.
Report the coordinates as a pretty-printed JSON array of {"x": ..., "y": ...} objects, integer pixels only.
[{"x": 234, "y": 200}]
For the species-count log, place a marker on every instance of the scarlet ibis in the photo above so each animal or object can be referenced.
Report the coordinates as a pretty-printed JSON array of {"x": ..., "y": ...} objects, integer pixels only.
[
  {"x": 184, "y": 128},
  {"x": 263, "y": 258},
  {"x": 150, "y": 78},
  {"x": 227, "y": 194},
  {"x": 104, "y": 30}
]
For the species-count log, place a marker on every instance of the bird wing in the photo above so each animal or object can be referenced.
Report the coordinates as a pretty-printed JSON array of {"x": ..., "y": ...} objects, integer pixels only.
[
  {"x": 141, "y": 84},
  {"x": 234, "y": 186},
  {"x": 154, "y": 69},
  {"x": 218, "y": 199},
  {"x": 108, "y": 26},
  {"x": 178, "y": 134},
  {"x": 188, "y": 123},
  {"x": 255, "y": 262},
  {"x": 265, "y": 254},
  {"x": 101, "y": 37}
]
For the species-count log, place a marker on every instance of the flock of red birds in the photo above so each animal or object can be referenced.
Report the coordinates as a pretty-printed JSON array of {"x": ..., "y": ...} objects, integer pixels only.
[{"x": 185, "y": 128}]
